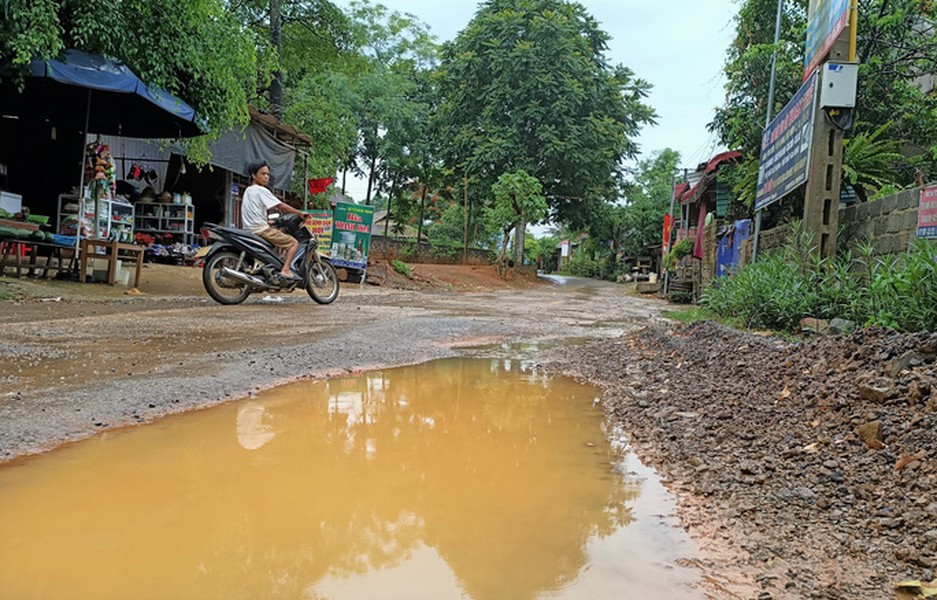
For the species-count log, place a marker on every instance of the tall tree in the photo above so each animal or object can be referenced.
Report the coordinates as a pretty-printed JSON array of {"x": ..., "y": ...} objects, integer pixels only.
[
  {"x": 315, "y": 61},
  {"x": 392, "y": 102},
  {"x": 527, "y": 86}
]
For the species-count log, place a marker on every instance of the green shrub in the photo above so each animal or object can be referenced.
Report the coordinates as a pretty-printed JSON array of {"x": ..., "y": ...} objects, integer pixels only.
[
  {"x": 402, "y": 268},
  {"x": 785, "y": 286}
]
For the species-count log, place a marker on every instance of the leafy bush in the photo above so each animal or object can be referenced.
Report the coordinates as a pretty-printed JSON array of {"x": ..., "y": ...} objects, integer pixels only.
[
  {"x": 409, "y": 250},
  {"x": 582, "y": 264},
  {"x": 683, "y": 248},
  {"x": 785, "y": 286},
  {"x": 901, "y": 292},
  {"x": 402, "y": 268}
]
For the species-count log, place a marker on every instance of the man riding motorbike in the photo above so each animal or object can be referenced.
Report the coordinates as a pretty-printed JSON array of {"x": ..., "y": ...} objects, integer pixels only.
[{"x": 257, "y": 201}]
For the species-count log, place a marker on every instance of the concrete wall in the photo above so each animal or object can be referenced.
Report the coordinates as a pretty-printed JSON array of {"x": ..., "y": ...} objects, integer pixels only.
[
  {"x": 890, "y": 223},
  {"x": 385, "y": 248}
]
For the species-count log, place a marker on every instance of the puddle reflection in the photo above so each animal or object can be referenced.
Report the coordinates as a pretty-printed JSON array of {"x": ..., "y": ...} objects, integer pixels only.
[{"x": 464, "y": 478}]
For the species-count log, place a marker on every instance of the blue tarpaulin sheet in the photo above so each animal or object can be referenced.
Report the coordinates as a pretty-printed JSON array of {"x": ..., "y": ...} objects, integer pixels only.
[
  {"x": 117, "y": 102},
  {"x": 729, "y": 247}
]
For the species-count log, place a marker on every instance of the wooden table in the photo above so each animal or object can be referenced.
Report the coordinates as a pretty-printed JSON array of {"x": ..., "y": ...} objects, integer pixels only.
[
  {"x": 13, "y": 253},
  {"x": 114, "y": 251}
]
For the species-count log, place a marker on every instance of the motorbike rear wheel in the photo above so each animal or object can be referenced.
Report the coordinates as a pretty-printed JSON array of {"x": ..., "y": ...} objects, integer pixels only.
[
  {"x": 321, "y": 281},
  {"x": 224, "y": 289}
]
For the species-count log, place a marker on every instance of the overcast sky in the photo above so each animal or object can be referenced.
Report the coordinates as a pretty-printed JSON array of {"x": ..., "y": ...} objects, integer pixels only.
[{"x": 678, "y": 46}]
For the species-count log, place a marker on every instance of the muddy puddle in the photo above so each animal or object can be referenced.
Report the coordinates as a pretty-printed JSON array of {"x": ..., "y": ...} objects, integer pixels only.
[{"x": 465, "y": 478}]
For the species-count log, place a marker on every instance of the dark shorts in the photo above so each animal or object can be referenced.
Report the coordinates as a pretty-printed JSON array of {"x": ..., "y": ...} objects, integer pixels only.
[{"x": 278, "y": 238}]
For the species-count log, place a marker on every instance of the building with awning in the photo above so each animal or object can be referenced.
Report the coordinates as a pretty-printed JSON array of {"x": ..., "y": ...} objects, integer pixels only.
[{"x": 703, "y": 193}]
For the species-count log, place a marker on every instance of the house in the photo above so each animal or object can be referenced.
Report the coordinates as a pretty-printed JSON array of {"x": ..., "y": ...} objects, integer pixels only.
[{"x": 703, "y": 198}]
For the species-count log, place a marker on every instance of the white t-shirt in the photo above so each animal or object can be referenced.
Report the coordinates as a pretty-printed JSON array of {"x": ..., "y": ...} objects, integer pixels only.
[{"x": 257, "y": 201}]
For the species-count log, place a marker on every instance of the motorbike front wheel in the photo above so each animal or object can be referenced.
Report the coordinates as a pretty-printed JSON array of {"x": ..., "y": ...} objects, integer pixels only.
[
  {"x": 321, "y": 281},
  {"x": 224, "y": 289}
]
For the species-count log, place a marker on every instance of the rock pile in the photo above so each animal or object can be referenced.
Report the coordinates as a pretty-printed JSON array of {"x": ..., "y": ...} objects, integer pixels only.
[{"x": 819, "y": 458}]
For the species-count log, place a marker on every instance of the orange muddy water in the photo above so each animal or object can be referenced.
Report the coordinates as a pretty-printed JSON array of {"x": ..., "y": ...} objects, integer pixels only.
[{"x": 463, "y": 478}]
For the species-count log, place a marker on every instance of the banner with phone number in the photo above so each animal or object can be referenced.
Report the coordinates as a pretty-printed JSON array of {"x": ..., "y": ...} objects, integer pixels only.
[{"x": 321, "y": 226}]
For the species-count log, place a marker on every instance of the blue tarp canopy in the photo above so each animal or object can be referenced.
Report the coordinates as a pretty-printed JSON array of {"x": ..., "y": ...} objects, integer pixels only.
[{"x": 113, "y": 99}]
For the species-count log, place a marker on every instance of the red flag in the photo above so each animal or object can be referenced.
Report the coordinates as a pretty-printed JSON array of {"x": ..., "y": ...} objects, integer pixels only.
[
  {"x": 668, "y": 224},
  {"x": 317, "y": 186}
]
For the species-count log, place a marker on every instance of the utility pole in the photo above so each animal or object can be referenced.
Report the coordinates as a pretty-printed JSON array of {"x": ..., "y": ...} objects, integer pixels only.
[
  {"x": 769, "y": 115},
  {"x": 465, "y": 217},
  {"x": 825, "y": 172}
]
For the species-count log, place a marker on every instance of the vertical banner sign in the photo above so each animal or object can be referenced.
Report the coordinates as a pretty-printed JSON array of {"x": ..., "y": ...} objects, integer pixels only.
[
  {"x": 785, "y": 147},
  {"x": 722, "y": 200},
  {"x": 321, "y": 227},
  {"x": 668, "y": 224},
  {"x": 927, "y": 213},
  {"x": 828, "y": 20},
  {"x": 351, "y": 235}
]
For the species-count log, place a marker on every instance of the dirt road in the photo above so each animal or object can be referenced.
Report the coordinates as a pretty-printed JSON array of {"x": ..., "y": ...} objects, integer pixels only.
[
  {"x": 804, "y": 470},
  {"x": 78, "y": 359}
]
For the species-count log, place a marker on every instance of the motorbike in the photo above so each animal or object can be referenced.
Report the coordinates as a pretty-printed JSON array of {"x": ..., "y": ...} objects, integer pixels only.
[{"x": 240, "y": 263}]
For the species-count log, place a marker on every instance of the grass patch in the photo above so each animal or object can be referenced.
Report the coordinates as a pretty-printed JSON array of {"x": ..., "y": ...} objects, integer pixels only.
[
  {"x": 794, "y": 282},
  {"x": 10, "y": 292},
  {"x": 403, "y": 268}
]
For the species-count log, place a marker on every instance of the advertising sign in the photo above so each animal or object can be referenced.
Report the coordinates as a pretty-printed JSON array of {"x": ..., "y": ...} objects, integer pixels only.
[
  {"x": 351, "y": 235},
  {"x": 927, "y": 213},
  {"x": 828, "y": 20},
  {"x": 785, "y": 147},
  {"x": 321, "y": 226}
]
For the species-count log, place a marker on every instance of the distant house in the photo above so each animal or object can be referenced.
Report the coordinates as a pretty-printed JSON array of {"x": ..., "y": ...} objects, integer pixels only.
[
  {"x": 703, "y": 198},
  {"x": 384, "y": 222}
]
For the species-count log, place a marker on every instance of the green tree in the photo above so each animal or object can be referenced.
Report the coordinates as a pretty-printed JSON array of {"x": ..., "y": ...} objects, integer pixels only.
[
  {"x": 648, "y": 201},
  {"x": 527, "y": 86},
  {"x": 518, "y": 200},
  {"x": 195, "y": 50},
  {"x": 391, "y": 98}
]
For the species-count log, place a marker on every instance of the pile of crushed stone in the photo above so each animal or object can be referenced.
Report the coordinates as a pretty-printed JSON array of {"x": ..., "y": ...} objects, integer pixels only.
[{"x": 817, "y": 459}]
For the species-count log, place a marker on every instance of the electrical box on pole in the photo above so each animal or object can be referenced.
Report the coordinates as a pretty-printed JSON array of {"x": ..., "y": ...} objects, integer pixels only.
[{"x": 838, "y": 82}]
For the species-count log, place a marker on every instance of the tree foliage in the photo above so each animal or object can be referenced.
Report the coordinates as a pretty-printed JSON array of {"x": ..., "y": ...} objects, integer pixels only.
[
  {"x": 391, "y": 97},
  {"x": 526, "y": 85},
  {"x": 196, "y": 50},
  {"x": 648, "y": 201},
  {"x": 518, "y": 199}
]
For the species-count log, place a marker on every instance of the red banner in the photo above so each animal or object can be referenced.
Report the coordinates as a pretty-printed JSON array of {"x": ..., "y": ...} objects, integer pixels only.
[
  {"x": 668, "y": 224},
  {"x": 317, "y": 186}
]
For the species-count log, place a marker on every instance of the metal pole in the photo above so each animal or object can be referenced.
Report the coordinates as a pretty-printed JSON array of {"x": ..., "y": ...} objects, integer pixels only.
[
  {"x": 305, "y": 180},
  {"x": 769, "y": 115},
  {"x": 465, "y": 218},
  {"x": 853, "y": 29},
  {"x": 81, "y": 189},
  {"x": 673, "y": 197}
]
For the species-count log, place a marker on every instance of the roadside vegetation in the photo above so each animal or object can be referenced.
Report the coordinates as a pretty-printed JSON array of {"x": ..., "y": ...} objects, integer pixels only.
[{"x": 787, "y": 285}]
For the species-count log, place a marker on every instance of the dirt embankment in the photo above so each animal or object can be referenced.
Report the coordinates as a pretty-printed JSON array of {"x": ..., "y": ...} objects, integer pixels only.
[{"x": 811, "y": 467}]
